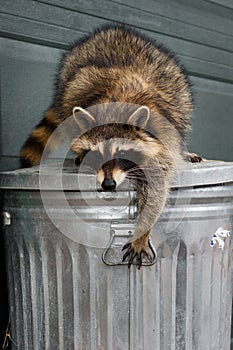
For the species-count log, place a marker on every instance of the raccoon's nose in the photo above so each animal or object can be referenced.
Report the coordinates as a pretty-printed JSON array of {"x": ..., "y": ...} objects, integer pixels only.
[{"x": 109, "y": 184}]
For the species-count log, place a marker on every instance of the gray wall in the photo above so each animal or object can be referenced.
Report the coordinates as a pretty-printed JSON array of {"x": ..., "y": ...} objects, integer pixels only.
[{"x": 35, "y": 33}]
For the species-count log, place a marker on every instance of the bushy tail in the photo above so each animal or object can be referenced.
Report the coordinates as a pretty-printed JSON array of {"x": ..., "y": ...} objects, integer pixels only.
[{"x": 33, "y": 148}]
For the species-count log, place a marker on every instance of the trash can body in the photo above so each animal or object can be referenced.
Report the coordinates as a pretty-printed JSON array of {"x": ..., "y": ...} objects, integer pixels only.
[{"x": 68, "y": 288}]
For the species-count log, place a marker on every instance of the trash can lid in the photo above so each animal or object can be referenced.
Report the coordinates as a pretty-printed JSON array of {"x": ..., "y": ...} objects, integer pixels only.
[{"x": 49, "y": 176}]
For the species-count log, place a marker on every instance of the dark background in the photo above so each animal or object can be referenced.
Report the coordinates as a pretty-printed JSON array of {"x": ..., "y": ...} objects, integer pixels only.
[{"x": 34, "y": 34}]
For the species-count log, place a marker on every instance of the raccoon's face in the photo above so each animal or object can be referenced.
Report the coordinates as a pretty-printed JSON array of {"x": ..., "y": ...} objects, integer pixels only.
[
  {"x": 115, "y": 152},
  {"x": 111, "y": 159}
]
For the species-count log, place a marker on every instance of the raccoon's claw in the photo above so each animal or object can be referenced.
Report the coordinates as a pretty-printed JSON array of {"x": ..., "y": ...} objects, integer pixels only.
[
  {"x": 126, "y": 245},
  {"x": 131, "y": 254},
  {"x": 135, "y": 254}
]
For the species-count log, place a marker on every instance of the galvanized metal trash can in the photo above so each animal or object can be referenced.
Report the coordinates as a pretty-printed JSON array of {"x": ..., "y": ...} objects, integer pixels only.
[{"x": 68, "y": 288}]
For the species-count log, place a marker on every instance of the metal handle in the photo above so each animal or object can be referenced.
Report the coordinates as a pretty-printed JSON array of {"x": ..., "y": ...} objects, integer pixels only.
[{"x": 120, "y": 234}]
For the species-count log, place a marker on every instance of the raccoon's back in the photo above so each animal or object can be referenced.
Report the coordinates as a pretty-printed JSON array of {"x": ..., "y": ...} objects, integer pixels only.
[
  {"x": 118, "y": 46},
  {"x": 107, "y": 47},
  {"x": 117, "y": 63}
]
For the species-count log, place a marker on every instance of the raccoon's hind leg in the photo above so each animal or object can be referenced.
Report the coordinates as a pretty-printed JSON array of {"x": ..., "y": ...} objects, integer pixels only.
[{"x": 34, "y": 146}]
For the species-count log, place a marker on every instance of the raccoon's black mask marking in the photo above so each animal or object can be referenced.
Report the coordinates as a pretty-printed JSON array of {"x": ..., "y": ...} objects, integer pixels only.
[
  {"x": 122, "y": 159},
  {"x": 129, "y": 159}
]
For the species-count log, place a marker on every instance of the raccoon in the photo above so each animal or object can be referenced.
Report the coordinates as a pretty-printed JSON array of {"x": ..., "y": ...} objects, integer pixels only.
[{"x": 132, "y": 103}]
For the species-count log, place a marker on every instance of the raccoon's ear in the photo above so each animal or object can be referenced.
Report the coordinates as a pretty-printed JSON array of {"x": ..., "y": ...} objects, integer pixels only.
[
  {"x": 83, "y": 118},
  {"x": 140, "y": 117}
]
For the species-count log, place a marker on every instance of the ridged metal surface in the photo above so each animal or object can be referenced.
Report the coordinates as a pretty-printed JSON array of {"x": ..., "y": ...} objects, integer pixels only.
[
  {"x": 63, "y": 296},
  {"x": 48, "y": 176}
]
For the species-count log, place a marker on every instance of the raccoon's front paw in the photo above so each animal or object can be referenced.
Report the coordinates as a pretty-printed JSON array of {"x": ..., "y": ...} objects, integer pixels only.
[
  {"x": 193, "y": 158},
  {"x": 137, "y": 250}
]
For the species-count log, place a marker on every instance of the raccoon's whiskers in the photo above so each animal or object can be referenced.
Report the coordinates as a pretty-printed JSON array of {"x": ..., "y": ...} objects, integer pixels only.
[
  {"x": 131, "y": 177},
  {"x": 137, "y": 168}
]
